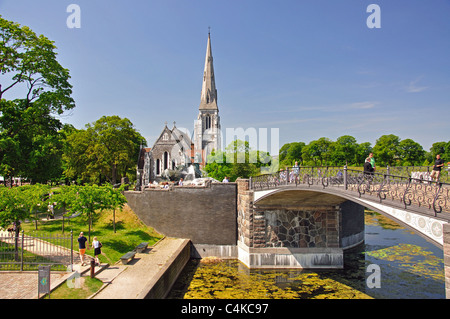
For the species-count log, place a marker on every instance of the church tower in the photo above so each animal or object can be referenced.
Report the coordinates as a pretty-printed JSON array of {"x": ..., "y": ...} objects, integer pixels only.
[{"x": 207, "y": 132}]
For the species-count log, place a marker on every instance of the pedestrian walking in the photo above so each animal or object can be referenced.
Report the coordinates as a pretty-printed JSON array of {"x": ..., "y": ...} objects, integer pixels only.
[
  {"x": 97, "y": 245},
  {"x": 82, "y": 246}
]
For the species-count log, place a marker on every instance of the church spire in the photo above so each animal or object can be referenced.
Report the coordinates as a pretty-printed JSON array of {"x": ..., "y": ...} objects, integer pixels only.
[{"x": 208, "y": 98}]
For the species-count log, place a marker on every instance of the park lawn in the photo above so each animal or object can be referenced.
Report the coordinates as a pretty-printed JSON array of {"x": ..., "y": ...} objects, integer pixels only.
[
  {"x": 88, "y": 286},
  {"x": 130, "y": 232}
]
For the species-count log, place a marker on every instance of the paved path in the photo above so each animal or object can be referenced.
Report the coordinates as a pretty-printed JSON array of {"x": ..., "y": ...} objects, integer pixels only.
[
  {"x": 22, "y": 285},
  {"x": 128, "y": 281},
  {"x": 120, "y": 281}
]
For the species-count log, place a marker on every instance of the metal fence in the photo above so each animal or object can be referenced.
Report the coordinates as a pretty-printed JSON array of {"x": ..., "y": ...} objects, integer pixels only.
[
  {"x": 25, "y": 252},
  {"x": 407, "y": 189}
]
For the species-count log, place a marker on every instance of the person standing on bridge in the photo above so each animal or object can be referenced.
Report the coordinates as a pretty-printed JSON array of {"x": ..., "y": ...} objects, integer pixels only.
[
  {"x": 368, "y": 169},
  {"x": 372, "y": 161},
  {"x": 438, "y": 164},
  {"x": 296, "y": 171}
]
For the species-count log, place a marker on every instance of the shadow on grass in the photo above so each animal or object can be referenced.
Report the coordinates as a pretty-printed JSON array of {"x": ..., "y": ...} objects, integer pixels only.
[
  {"x": 142, "y": 235},
  {"x": 120, "y": 246},
  {"x": 119, "y": 225}
]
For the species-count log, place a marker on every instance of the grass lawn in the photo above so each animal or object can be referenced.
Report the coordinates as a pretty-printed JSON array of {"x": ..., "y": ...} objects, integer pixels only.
[
  {"x": 130, "y": 232},
  {"x": 87, "y": 287}
]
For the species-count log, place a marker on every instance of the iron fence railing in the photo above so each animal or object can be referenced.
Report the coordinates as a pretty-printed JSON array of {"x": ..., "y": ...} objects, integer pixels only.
[
  {"x": 412, "y": 189},
  {"x": 25, "y": 252}
]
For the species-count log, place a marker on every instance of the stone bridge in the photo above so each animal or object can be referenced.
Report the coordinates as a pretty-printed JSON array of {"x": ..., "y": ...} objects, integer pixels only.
[
  {"x": 306, "y": 217},
  {"x": 422, "y": 205}
]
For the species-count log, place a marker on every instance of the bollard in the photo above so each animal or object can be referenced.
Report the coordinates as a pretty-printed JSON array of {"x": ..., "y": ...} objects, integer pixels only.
[{"x": 92, "y": 268}]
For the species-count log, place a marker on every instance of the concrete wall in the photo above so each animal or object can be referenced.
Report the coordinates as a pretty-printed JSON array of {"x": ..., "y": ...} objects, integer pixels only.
[
  {"x": 352, "y": 224},
  {"x": 205, "y": 215},
  {"x": 161, "y": 284}
]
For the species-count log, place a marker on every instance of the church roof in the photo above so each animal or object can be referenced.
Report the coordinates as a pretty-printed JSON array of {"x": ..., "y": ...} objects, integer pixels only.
[
  {"x": 174, "y": 136},
  {"x": 181, "y": 136}
]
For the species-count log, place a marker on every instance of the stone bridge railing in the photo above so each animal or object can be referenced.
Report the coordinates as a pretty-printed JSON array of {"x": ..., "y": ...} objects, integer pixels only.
[{"x": 420, "y": 192}]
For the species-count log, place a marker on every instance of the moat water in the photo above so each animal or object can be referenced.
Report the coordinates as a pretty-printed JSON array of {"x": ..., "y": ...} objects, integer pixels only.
[{"x": 409, "y": 268}]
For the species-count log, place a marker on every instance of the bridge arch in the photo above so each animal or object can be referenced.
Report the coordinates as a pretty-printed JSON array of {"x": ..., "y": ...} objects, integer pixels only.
[
  {"x": 308, "y": 224},
  {"x": 427, "y": 226}
]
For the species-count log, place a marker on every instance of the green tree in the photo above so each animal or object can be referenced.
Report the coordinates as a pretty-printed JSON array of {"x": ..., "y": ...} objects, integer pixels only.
[
  {"x": 34, "y": 89},
  {"x": 24, "y": 202},
  {"x": 290, "y": 153},
  {"x": 386, "y": 150},
  {"x": 108, "y": 148},
  {"x": 115, "y": 199},
  {"x": 318, "y": 152},
  {"x": 18, "y": 204},
  {"x": 411, "y": 153},
  {"x": 440, "y": 148},
  {"x": 35, "y": 200},
  {"x": 345, "y": 151},
  {"x": 12, "y": 208},
  {"x": 446, "y": 155},
  {"x": 217, "y": 166},
  {"x": 362, "y": 152},
  {"x": 238, "y": 160},
  {"x": 89, "y": 201},
  {"x": 62, "y": 198}
]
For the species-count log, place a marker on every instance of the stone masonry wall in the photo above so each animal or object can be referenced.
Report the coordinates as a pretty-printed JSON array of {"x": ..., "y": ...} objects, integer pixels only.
[
  {"x": 244, "y": 212},
  {"x": 285, "y": 228},
  {"x": 301, "y": 229}
]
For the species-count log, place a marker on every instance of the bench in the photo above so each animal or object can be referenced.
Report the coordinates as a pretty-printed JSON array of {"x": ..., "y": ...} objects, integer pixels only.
[
  {"x": 420, "y": 177},
  {"x": 127, "y": 257},
  {"x": 141, "y": 247}
]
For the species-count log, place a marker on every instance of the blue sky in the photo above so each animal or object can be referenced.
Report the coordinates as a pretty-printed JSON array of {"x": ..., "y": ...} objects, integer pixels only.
[{"x": 310, "y": 68}]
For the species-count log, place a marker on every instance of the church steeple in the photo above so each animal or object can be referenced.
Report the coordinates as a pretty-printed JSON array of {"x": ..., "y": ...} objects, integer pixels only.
[
  {"x": 208, "y": 98},
  {"x": 207, "y": 134}
]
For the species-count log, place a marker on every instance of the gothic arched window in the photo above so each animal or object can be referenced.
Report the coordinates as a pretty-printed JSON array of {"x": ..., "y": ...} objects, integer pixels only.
[
  {"x": 158, "y": 167},
  {"x": 207, "y": 122},
  {"x": 166, "y": 160}
]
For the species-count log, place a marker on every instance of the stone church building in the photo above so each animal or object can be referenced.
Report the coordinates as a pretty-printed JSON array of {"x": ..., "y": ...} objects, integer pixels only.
[{"x": 173, "y": 148}]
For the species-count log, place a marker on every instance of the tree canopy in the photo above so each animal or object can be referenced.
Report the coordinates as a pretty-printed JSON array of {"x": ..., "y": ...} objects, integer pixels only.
[
  {"x": 34, "y": 89},
  {"x": 106, "y": 150},
  {"x": 388, "y": 150},
  {"x": 238, "y": 160}
]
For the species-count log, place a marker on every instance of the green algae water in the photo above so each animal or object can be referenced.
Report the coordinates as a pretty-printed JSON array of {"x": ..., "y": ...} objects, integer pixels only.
[{"x": 410, "y": 268}]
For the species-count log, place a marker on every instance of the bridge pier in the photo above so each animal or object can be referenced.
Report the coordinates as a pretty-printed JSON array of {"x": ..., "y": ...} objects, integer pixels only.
[{"x": 283, "y": 232}]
